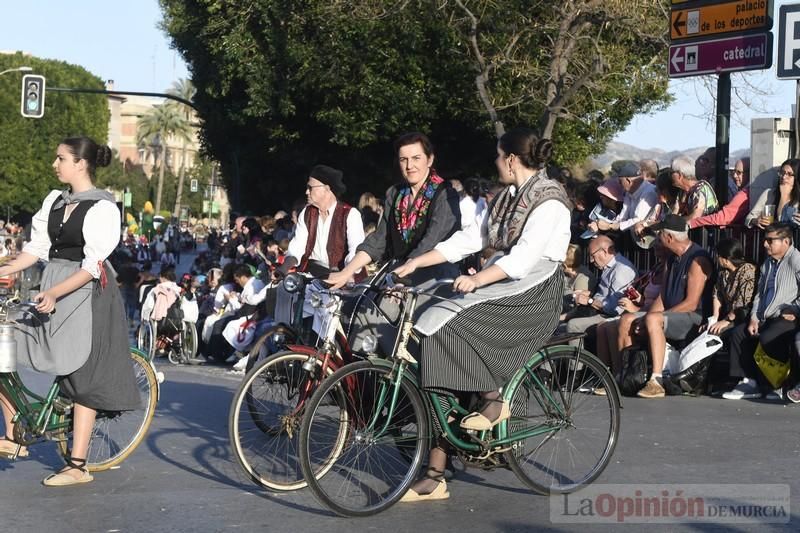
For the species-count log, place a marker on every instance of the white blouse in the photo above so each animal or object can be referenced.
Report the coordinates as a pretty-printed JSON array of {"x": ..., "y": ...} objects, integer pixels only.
[
  {"x": 545, "y": 236},
  {"x": 101, "y": 232}
]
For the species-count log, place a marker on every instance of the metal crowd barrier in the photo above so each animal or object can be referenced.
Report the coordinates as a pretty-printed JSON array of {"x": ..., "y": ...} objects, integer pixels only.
[{"x": 707, "y": 237}]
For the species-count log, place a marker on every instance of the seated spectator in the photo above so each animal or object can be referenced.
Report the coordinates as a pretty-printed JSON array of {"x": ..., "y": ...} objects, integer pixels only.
[
  {"x": 784, "y": 199},
  {"x": 639, "y": 297},
  {"x": 776, "y": 307},
  {"x": 166, "y": 293},
  {"x": 679, "y": 308},
  {"x": 586, "y": 198},
  {"x": 697, "y": 197},
  {"x": 617, "y": 273},
  {"x": 611, "y": 194},
  {"x": 649, "y": 168},
  {"x": 577, "y": 277},
  {"x": 245, "y": 305},
  {"x": 733, "y": 293},
  {"x": 735, "y": 211},
  {"x": 740, "y": 175},
  {"x": 666, "y": 201},
  {"x": 638, "y": 199}
]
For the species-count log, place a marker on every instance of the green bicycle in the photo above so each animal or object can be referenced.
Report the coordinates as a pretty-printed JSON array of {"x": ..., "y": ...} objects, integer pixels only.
[
  {"x": 368, "y": 426},
  {"x": 38, "y": 418}
]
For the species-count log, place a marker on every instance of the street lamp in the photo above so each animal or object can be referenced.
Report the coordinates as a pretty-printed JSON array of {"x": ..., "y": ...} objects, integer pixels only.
[{"x": 18, "y": 69}]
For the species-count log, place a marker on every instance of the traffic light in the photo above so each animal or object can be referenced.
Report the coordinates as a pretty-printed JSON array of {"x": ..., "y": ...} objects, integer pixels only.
[{"x": 32, "y": 105}]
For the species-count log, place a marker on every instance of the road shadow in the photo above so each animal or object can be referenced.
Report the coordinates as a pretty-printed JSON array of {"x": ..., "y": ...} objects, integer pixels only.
[{"x": 200, "y": 411}]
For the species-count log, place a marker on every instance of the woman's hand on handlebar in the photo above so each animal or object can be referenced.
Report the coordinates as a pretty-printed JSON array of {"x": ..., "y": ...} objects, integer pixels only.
[
  {"x": 406, "y": 269},
  {"x": 337, "y": 280},
  {"x": 465, "y": 284},
  {"x": 46, "y": 302}
]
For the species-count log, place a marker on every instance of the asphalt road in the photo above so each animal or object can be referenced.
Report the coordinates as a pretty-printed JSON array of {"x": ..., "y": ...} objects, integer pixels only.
[{"x": 184, "y": 477}]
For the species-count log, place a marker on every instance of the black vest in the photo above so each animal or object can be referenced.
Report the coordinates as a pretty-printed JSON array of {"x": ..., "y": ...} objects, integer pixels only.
[
  {"x": 399, "y": 248},
  {"x": 66, "y": 238}
]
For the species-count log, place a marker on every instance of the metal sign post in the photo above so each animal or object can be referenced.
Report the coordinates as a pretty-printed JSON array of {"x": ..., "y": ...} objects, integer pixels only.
[{"x": 720, "y": 37}]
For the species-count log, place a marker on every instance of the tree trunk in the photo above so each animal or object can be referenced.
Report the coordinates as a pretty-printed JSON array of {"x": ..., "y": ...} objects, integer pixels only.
[
  {"x": 161, "y": 179},
  {"x": 177, "y": 211}
]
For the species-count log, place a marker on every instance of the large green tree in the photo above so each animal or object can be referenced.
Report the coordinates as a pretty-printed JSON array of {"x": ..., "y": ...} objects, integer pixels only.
[
  {"x": 28, "y": 145},
  {"x": 285, "y": 84}
]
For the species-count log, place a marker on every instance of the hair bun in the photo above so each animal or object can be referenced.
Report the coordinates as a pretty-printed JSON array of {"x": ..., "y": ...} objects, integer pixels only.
[
  {"x": 543, "y": 150},
  {"x": 104, "y": 156}
]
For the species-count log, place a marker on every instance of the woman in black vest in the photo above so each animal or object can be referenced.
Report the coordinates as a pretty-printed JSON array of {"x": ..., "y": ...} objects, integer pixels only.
[
  {"x": 86, "y": 341},
  {"x": 418, "y": 214}
]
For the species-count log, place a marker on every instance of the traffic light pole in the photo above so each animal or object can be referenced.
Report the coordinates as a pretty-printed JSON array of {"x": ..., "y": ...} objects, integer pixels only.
[{"x": 123, "y": 93}]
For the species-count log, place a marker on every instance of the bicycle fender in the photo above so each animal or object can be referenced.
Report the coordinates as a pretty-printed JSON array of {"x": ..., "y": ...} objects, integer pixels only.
[
  {"x": 300, "y": 348},
  {"x": 520, "y": 373}
]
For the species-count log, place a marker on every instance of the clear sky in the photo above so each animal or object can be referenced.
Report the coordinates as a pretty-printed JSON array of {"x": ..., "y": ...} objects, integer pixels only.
[
  {"x": 120, "y": 40},
  {"x": 114, "y": 39}
]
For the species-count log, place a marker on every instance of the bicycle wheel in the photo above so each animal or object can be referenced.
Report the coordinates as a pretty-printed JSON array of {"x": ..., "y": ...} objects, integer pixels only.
[
  {"x": 381, "y": 454},
  {"x": 272, "y": 341},
  {"x": 116, "y": 434},
  {"x": 265, "y": 416},
  {"x": 146, "y": 338},
  {"x": 579, "y": 429}
]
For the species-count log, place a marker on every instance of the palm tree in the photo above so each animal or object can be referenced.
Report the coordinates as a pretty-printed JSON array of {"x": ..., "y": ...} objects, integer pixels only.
[
  {"x": 186, "y": 90},
  {"x": 163, "y": 121}
]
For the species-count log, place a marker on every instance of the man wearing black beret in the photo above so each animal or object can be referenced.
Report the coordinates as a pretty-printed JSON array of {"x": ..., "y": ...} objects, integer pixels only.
[{"x": 328, "y": 230}]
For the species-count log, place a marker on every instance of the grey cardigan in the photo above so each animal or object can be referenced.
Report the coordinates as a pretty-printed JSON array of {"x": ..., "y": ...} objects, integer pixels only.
[{"x": 787, "y": 286}]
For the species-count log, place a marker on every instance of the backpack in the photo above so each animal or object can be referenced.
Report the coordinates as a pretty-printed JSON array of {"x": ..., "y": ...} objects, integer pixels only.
[
  {"x": 172, "y": 323},
  {"x": 636, "y": 370},
  {"x": 691, "y": 381}
]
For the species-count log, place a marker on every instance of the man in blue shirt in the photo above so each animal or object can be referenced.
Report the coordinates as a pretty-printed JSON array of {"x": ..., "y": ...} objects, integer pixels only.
[
  {"x": 617, "y": 274},
  {"x": 776, "y": 307}
]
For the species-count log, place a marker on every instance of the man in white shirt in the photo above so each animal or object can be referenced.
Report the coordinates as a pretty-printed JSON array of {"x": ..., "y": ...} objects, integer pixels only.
[
  {"x": 640, "y": 197},
  {"x": 328, "y": 231}
]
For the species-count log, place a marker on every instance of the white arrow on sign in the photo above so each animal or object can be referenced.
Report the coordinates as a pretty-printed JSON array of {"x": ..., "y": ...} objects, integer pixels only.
[
  {"x": 677, "y": 59},
  {"x": 791, "y": 44}
]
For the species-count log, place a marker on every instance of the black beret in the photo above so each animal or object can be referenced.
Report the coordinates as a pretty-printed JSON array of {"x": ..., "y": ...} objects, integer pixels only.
[{"x": 330, "y": 177}]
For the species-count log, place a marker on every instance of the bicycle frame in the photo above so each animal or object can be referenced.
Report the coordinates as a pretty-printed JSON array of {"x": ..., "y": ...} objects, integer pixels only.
[
  {"x": 41, "y": 414},
  {"x": 404, "y": 365}
]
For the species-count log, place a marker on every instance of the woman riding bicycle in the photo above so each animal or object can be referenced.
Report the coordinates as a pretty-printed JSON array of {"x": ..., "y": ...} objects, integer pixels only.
[
  {"x": 506, "y": 311},
  {"x": 80, "y": 332},
  {"x": 418, "y": 213}
]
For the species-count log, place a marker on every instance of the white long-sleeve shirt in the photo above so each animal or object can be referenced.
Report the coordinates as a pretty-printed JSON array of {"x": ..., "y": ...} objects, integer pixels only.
[
  {"x": 319, "y": 253},
  {"x": 101, "y": 233},
  {"x": 636, "y": 206},
  {"x": 545, "y": 235}
]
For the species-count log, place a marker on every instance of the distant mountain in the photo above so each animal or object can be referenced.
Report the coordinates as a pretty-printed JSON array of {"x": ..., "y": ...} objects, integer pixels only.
[{"x": 616, "y": 151}]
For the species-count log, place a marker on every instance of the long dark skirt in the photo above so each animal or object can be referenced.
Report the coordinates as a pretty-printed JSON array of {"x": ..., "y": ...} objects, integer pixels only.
[
  {"x": 481, "y": 347},
  {"x": 106, "y": 381}
]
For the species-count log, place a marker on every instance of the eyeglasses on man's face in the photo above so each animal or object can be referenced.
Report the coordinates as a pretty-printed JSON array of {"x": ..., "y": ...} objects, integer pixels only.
[
  {"x": 310, "y": 188},
  {"x": 770, "y": 240},
  {"x": 592, "y": 254}
]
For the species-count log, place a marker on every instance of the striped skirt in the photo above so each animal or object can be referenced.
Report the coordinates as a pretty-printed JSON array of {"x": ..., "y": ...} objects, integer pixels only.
[{"x": 481, "y": 347}]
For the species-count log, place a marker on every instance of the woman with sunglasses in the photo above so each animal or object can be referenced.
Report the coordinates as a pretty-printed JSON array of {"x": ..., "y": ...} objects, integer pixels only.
[{"x": 784, "y": 199}]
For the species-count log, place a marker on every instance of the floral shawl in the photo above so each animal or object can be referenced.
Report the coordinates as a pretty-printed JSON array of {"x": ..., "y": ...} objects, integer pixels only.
[{"x": 410, "y": 212}]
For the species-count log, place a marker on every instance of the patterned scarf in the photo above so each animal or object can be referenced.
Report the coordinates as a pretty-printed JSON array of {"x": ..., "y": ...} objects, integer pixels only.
[
  {"x": 410, "y": 212},
  {"x": 509, "y": 213}
]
